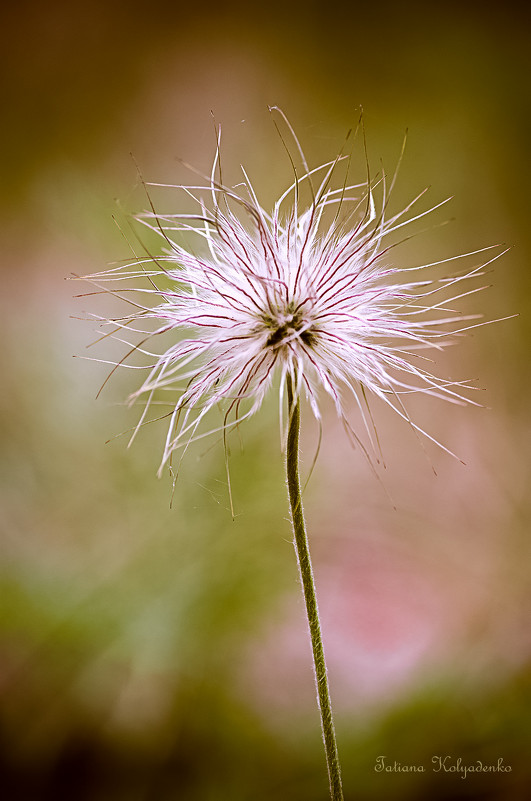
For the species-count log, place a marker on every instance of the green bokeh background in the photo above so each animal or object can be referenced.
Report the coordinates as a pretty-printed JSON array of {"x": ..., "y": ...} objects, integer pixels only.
[{"x": 153, "y": 654}]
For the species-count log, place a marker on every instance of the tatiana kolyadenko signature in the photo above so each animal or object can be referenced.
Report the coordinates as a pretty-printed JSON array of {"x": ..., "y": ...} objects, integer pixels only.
[{"x": 442, "y": 764}]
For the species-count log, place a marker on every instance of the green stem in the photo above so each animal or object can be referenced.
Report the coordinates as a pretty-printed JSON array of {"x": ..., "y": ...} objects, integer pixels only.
[{"x": 308, "y": 586}]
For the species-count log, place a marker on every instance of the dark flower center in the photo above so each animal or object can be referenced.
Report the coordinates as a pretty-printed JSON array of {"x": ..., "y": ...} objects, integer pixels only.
[{"x": 285, "y": 324}]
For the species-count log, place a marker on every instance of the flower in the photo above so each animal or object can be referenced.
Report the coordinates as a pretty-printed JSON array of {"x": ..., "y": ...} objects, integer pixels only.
[{"x": 308, "y": 292}]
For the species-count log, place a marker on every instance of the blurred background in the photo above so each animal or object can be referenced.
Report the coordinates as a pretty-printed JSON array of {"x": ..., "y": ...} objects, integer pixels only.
[{"x": 150, "y": 653}]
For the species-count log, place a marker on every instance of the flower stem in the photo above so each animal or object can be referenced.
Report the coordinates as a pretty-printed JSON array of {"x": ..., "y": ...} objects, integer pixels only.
[{"x": 308, "y": 586}]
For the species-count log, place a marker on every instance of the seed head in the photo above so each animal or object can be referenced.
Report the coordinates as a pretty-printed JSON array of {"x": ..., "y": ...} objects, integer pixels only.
[{"x": 310, "y": 290}]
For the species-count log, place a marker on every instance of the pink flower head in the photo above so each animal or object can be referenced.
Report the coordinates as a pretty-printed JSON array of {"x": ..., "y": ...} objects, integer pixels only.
[{"x": 307, "y": 290}]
